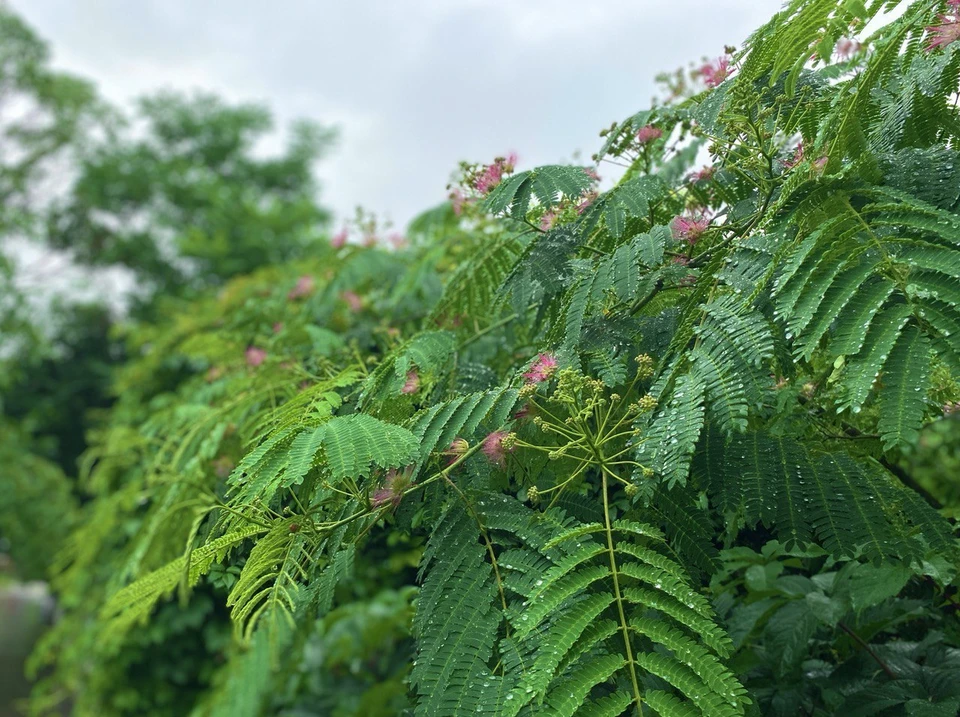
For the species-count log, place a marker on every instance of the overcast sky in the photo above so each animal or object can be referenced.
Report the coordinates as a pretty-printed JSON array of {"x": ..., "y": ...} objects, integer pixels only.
[{"x": 414, "y": 85}]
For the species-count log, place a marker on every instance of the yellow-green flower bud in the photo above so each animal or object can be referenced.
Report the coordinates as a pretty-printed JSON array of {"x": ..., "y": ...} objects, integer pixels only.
[
  {"x": 533, "y": 495},
  {"x": 646, "y": 403}
]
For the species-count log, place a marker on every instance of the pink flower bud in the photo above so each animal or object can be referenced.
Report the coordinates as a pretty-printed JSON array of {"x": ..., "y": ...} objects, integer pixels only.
[
  {"x": 412, "y": 384},
  {"x": 353, "y": 300},
  {"x": 304, "y": 287},
  {"x": 391, "y": 492},
  {"x": 455, "y": 450},
  {"x": 255, "y": 356}
]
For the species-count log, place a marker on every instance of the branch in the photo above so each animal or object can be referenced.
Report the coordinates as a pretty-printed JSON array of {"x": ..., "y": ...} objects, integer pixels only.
[{"x": 859, "y": 640}]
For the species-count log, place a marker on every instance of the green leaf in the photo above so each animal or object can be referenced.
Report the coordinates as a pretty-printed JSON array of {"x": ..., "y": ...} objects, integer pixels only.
[
  {"x": 668, "y": 444},
  {"x": 906, "y": 379},
  {"x": 868, "y": 585},
  {"x": 549, "y": 184},
  {"x": 355, "y": 445}
]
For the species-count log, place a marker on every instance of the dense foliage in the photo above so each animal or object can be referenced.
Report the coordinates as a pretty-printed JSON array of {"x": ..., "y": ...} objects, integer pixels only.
[{"x": 662, "y": 449}]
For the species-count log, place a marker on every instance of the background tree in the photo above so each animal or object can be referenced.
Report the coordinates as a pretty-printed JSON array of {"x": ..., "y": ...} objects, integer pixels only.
[
  {"x": 182, "y": 198},
  {"x": 180, "y": 194},
  {"x": 46, "y": 117}
]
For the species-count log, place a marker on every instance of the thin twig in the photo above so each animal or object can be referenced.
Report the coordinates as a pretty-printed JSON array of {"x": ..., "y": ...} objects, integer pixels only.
[{"x": 859, "y": 640}]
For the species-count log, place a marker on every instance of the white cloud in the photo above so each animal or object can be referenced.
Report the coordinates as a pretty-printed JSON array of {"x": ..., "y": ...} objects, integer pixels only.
[{"x": 416, "y": 85}]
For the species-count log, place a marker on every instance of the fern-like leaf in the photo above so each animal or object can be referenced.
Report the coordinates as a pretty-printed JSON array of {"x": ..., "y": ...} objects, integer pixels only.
[
  {"x": 269, "y": 584},
  {"x": 668, "y": 444},
  {"x": 456, "y": 623},
  {"x": 906, "y": 379},
  {"x": 354, "y": 445},
  {"x": 134, "y": 603},
  {"x": 549, "y": 184}
]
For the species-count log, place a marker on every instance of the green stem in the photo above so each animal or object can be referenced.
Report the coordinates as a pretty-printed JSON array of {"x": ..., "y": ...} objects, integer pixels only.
[
  {"x": 616, "y": 591},
  {"x": 486, "y": 540},
  {"x": 492, "y": 327},
  {"x": 594, "y": 249}
]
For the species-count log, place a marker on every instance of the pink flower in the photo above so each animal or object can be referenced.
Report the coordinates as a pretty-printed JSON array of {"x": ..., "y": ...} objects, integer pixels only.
[
  {"x": 713, "y": 73},
  {"x": 413, "y": 383},
  {"x": 796, "y": 159},
  {"x": 703, "y": 175},
  {"x": 524, "y": 413},
  {"x": 339, "y": 239},
  {"x": 457, "y": 448},
  {"x": 304, "y": 287},
  {"x": 489, "y": 178},
  {"x": 255, "y": 356},
  {"x": 586, "y": 200},
  {"x": 494, "y": 449},
  {"x": 397, "y": 240},
  {"x": 492, "y": 174},
  {"x": 542, "y": 368},
  {"x": 947, "y": 32},
  {"x": 847, "y": 47},
  {"x": 353, "y": 300},
  {"x": 457, "y": 200},
  {"x": 799, "y": 155},
  {"x": 278, "y": 327},
  {"x": 394, "y": 486},
  {"x": 592, "y": 173},
  {"x": 382, "y": 496},
  {"x": 648, "y": 134},
  {"x": 689, "y": 227},
  {"x": 547, "y": 220}
]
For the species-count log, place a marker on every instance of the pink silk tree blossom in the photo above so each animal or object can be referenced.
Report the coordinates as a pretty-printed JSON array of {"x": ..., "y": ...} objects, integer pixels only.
[
  {"x": 255, "y": 356},
  {"x": 353, "y": 300},
  {"x": 947, "y": 32},
  {"x": 412, "y": 384},
  {"x": 648, "y": 134},
  {"x": 846, "y": 48},
  {"x": 542, "y": 368},
  {"x": 689, "y": 227},
  {"x": 395, "y": 484},
  {"x": 304, "y": 287},
  {"x": 339, "y": 239},
  {"x": 702, "y": 175},
  {"x": 714, "y": 73},
  {"x": 494, "y": 449}
]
